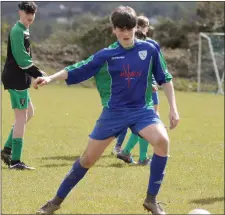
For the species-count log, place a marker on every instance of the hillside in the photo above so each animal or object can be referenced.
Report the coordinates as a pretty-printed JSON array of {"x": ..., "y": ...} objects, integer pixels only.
[{"x": 71, "y": 42}]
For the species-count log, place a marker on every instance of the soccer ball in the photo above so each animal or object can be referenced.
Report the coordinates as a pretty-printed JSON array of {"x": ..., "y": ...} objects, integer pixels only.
[{"x": 199, "y": 211}]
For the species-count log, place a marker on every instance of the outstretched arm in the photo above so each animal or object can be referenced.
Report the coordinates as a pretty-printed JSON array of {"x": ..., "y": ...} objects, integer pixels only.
[
  {"x": 77, "y": 72},
  {"x": 61, "y": 75}
]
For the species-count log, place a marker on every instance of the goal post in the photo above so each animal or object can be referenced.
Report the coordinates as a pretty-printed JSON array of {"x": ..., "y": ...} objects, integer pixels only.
[{"x": 219, "y": 75}]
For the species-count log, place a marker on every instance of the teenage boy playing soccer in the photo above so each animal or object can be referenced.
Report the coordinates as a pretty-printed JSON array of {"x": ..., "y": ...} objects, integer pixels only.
[
  {"x": 141, "y": 33},
  {"x": 123, "y": 74},
  {"x": 16, "y": 78},
  {"x": 125, "y": 154}
]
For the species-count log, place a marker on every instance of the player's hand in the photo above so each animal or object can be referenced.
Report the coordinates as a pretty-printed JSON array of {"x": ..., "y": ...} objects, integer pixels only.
[
  {"x": 41, "y": 81},
  {"x": 174, "y": 118},
  {"x": 154, "y": 88}
]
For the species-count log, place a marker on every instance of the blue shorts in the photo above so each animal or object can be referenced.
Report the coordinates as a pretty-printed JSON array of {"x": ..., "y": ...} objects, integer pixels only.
[
  {"x": 112, "y": 122},
  {"x": 155, "y": 98}
]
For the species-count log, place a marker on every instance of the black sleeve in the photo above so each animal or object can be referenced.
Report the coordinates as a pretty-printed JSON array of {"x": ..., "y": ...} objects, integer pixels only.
[{"x": 34, "y": 71}]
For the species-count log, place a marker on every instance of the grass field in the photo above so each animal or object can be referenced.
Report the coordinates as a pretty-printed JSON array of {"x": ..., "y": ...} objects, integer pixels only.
[{"x": 57, "y": 135}]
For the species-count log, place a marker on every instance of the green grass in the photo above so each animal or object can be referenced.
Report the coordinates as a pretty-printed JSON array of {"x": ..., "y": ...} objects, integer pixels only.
[{"x": 57, "y": 135}]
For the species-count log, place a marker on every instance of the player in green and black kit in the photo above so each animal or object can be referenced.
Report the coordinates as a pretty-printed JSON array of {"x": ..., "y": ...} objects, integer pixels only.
[{"x": 16, "y": 78}]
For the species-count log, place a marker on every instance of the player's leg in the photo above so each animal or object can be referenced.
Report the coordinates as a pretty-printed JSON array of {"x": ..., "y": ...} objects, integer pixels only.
[
  {"x": 144, "y": 160},
  {"x": 119, "y": 141},
  {"x": 148, "y": 125},
  {"x": 6, "y": 152},
  {"x": 157, "y": 135},
  {"x": 30, "y": 112},
  {"x": 20, "y": 106},
  {"x": 92, "y": 153},
  {"x": 125, "y": 154},
  {"x": 108, "y": 126},
  {"x": 143, "y": 156}
]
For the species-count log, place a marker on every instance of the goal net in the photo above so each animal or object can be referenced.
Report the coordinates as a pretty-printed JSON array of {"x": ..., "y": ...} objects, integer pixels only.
[{"x": 210, "y": 71}]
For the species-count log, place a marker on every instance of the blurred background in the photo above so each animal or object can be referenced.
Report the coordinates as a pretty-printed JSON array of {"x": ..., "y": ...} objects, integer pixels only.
[{"x": 66, "y": 32}]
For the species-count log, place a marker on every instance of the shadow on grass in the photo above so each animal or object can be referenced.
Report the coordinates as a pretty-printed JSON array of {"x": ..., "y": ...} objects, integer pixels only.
[
  {"x": 56, "y": 165},
  {"x": 116, "y": 165},
  {"x": 207, "y": 200},
  {"x": 63, "y": 157},
  {"x": 5, "y": 167},
  {"x": 70, "y": 157},
  {"x": 73, "y": 158}
]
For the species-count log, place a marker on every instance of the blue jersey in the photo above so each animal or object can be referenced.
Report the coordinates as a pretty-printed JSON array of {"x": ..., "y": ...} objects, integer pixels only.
[
  {"x": 154, "y": 43},
  {"x": 123, "y": 76},
  {"x": 162, "y": 59}
]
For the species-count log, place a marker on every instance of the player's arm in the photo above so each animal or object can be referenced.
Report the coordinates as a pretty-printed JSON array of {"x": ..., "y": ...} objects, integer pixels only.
[
  {"x": 163, "y": 61},
  {"x": 22, "y": 58},
  {"x": 75, "y": 73},
  {"x": 85, "y": 69},
  {"x": 164, "y": 78},
  {"x": 169, "y": 91}
]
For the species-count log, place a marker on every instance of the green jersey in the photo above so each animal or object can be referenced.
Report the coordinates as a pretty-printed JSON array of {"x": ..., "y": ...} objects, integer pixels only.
[{"x": 19, "y": 67}]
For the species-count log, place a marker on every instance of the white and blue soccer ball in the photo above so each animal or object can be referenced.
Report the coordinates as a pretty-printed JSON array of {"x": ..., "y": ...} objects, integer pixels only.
[{"x": 199, "y": 211}]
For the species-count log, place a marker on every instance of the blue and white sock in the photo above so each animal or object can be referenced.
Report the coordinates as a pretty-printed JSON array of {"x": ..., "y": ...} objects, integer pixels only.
[{"x": 157, "y": 168}]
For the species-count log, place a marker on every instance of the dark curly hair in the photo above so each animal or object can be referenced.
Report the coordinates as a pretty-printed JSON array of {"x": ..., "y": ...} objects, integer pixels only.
[
  {"x": 28, "y": 7},
  {"x": 124, "y": 17}
]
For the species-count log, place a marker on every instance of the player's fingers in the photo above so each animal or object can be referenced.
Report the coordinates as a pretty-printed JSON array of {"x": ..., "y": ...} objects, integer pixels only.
[
  {"x": 43, "y": 83},
  {"x": 173, "y": 123},
  {"x": 35, "y": 86}
]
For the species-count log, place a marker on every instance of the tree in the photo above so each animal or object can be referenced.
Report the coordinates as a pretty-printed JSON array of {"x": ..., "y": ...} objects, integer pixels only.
[{"x": 211, "y": 14}]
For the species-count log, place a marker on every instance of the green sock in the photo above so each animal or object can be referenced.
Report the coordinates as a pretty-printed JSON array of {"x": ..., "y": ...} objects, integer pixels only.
[
  {"x": 8, "y": 142},
  {"x": 17, "y": 145},
  {"x": 143, "y": 149},
  {"x": 131, "y": 143}
]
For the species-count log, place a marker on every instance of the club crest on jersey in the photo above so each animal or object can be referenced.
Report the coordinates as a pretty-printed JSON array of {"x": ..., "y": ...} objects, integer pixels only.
[
  {"x": 22, "y": 102},
  {"x": 142, "y": 54}
]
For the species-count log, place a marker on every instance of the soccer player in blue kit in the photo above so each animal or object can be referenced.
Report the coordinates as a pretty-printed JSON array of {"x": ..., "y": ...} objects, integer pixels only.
[
  {"x": 123, "y": 74},
  {"x": 143, "y": 27}
]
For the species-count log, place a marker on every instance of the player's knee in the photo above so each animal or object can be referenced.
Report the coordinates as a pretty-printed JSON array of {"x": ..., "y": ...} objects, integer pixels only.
[
  {"x": 87, "y": 161},
  {"x": 163, "y": 144},
  {"x": 21, "y": 116}
]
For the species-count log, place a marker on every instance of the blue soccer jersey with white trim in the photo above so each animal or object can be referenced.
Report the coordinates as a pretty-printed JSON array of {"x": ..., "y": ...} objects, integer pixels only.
[{"x": 123, "y": 76}]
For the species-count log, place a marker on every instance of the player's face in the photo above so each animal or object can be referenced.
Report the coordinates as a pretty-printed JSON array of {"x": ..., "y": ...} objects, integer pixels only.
[
  {"x": 26, "y": 18},
  {"x": 125, "y": 36},
  {"x": 144, "y": 30}
]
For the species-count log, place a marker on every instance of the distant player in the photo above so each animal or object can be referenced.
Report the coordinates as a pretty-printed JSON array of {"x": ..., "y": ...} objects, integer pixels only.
[
  {"x": 126, "y": 156},
  {"x": 123, "y": 74},
  {"x": 16, "y": 78},
  {"x": 119, "y": 141}
]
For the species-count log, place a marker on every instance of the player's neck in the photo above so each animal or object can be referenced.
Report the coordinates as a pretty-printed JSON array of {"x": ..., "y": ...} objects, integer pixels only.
[
  {"x": 127, "y": 46},
  {"x": 26, "y": 26}
]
